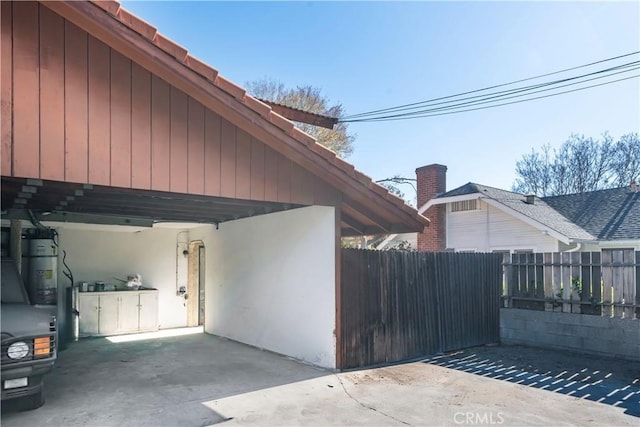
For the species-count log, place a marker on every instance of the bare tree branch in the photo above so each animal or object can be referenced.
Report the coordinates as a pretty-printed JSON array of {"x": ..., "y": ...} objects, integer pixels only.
[
  {"x": 310, "y": 99},
  {"x": 581, "y": 164}
]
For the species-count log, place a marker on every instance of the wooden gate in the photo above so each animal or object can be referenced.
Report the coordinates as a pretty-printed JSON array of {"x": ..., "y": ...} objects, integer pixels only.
[{"x": 403, "y": 305}]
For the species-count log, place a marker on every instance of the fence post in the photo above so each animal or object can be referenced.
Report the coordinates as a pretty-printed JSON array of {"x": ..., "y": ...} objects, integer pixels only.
[
  {"x": 637, "y": 285},
  {"x": 507, "y": 282},
  {"x": 576, "y": 282},
  {"x": 566, "y": 281},
  {"x": 618, "y": 282},
  {"x": 628, "y": 296},
  {"x": 548, "y": 280}
]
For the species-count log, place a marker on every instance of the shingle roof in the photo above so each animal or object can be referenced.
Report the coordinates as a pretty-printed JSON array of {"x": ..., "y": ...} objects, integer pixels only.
[
  {"x": 539, "y": 211},
  {"x": 607, "y": 214}
]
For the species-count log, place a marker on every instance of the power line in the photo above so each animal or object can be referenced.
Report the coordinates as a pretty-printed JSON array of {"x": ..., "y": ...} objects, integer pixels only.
[
  {"x": 416, "y": 105},
  {"x": 504, "y": 93},
  {"x": 490, "y": 87},
  {"x": 496, "y": 105},
  {"x": 491, "y": 98}
]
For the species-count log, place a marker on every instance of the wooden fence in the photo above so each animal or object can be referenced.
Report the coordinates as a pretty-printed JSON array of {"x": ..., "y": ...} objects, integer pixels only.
[
  {"x": 603, "y": 283},
  {"x": 403, "y": 305}
]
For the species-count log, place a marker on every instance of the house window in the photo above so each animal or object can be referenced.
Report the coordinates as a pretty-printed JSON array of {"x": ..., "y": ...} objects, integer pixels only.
[{"x": 464, "y": 205}]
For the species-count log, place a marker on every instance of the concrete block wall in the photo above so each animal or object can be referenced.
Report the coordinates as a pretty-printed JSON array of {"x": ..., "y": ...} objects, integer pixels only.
[{"x": 603, "y": 336}]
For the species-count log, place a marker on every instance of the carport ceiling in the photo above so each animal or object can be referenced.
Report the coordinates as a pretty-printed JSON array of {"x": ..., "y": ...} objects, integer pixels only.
[{"x": 59, "y": 201}]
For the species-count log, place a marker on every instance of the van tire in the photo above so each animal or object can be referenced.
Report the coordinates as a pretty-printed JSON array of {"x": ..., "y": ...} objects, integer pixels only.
[{"x": 34, "y": 401}]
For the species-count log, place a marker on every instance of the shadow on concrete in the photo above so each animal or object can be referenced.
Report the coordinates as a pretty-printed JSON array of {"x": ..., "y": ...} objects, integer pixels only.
[
  {"x": 154, "y": 382},
  {"x": 609, "y": 381}
]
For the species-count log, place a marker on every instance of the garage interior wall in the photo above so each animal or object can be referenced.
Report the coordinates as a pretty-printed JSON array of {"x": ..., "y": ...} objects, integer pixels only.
[
  {"x": 151, "y": 252},
  {"x": 271, "y": 282}
]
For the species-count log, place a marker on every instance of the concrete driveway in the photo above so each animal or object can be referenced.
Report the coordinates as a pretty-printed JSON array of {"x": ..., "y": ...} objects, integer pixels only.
[
  {"x": 155, "y": 382},
  {"x": 202, "y": 380}
]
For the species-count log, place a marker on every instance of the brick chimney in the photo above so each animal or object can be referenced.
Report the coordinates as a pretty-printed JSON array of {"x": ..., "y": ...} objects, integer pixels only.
[{"x": 432, "y": 180}]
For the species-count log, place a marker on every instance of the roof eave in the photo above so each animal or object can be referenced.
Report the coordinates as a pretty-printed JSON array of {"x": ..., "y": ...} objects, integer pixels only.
[
  {"x": 172, "y": 63},
  {"x": 451, "y": 199}
]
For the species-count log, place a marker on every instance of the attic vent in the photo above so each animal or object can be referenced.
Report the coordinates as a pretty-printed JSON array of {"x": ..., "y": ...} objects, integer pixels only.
[
  {"x": 464, "y": 205},
  {"x": 531, "y": 199}
]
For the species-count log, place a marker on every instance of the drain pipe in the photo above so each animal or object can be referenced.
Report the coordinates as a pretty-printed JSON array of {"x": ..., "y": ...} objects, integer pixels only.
[
  {"x": 576, "y": 249},
  {"x": 180, "y": 290}
]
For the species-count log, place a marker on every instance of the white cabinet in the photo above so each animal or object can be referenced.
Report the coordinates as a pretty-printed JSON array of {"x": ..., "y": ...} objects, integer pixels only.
[
  {"x": 89, "y": 306},
  {"x": 129, "y": 312},
  {"x": 111, "y": 313},
  {"x": 108, "y": 314},
  {"x": 148, "y": 319}
]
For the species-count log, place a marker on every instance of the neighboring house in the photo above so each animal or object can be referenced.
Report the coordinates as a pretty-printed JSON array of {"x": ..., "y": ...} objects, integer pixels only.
[
  {"x": 479, "y": 218},
  {"x": 146, "y": 160}
]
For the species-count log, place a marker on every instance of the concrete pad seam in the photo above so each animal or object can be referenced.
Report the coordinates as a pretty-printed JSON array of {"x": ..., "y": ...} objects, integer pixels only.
[{"x": 371, "y": 408}]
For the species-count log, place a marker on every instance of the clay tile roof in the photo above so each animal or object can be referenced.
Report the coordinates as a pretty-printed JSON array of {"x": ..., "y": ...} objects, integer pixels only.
[
  {"x": 171, "y": 47},
  {"x": 180, "y": 54},
  {"x": 142, "y": 27},
  {"x": 110, "y": 6},
  {"x": 201, "y": 68}
]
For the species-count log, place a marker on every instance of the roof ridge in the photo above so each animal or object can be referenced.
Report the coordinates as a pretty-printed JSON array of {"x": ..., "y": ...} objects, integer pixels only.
[
  {"x": 499, "y": 189},
  {"x": 181, "y": 54},
  {"x": 587, "y": 192}
]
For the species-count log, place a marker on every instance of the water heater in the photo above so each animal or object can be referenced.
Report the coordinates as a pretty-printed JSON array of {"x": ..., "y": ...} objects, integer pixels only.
[{"x": 43, "y": 271}]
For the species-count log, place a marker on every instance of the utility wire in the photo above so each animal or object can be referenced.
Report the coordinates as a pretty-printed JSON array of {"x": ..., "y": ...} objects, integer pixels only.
[
  {"x": 514, "y": 90},
  {"x": 498, "y": 105},
  {"x": 416, "y": 105},
  {"x": 491, "y": 99}
]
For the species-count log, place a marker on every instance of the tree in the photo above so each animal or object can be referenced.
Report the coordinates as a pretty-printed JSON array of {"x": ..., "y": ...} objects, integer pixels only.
[
  {"x": 310, "y": 99},
  {"x": 626, "y": 160},
  {"x": 581, "y": 164}
]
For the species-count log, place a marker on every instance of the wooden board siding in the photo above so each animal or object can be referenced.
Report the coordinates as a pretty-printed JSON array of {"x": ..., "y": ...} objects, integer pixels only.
[
  {"x": 52, "y": 95},
  {"x": 26, "y": 106},
  {"x": 99, "y": 113},
  {"x": 212, "y": 134},
  {"x": 195, "y": 148},
  {"x": 160, "y": 134},
  {"x": 228, "y": 134},
  {"x": 257, "y": 169},
  {"x": 82, "y": 112},
  {"x": 243, "y": 165},
  {"x": 6, "y": 64},
  {"x": 75, "y": 104},
  {"x": 120, "y": 120},
  {"x": 270, "y": 173},
  {"x": 179, "y": 142},
  {"x": 140, "y": 127}
]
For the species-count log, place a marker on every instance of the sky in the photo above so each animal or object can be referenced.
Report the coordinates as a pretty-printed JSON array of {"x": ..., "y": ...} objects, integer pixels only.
[{"x": 372, "y": 55}]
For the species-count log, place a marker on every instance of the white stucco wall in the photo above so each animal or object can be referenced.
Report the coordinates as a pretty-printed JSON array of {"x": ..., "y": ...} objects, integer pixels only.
[
  {"x": 102, "y": 255},
  {"x": 488, "y": 229},
  {"x": 270, "y": 282}
]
